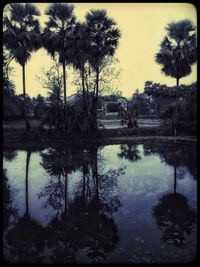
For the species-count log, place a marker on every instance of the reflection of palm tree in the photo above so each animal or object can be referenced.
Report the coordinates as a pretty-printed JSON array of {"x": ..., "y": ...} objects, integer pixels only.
[
  {"x": 174, "y": 218},
  {"x": 92, "y": 229},
  {"x": 129, "y": 152},
  {"x": 87, "y": 222},
  {"x": 10, "y": 155},
  {"x": 58, "y": 163},
  {"x": 95, "y": 230},
  {"x": 25, "y": 239},
  {"x": 173, "y": 215},
  {"x": 26, "y": 180}
]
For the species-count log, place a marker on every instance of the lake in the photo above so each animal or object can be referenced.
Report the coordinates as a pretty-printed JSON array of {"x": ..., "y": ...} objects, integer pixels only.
[{"x": 127, "y": 203}]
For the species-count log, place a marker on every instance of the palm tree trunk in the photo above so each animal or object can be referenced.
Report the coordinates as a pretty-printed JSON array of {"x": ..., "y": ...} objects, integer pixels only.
[
  {"x": 24, "y": 98},
  {"x": 97, "y": 179},
  {"x": 84, "y": 175},
  {"x": 26, "y": 179},
  {"x": 96, "y": 98},
  {"x": 176, "y": 108},
  {"x": 66, "y": 192},
  {"x": 175, "y": 178},
  {"x": 156, "y": 108},
  {"x": 65, "y": 95},
  {"x": 84, "y": 106}
]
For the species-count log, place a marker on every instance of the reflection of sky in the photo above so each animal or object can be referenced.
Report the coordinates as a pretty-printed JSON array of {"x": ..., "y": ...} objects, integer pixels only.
[
  {"x": 144, "y": 182},
  {"x": 140, "y": 188}
]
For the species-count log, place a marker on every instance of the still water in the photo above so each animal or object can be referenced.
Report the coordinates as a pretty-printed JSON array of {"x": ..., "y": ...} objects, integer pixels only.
[{"x": 128, "y": 203}]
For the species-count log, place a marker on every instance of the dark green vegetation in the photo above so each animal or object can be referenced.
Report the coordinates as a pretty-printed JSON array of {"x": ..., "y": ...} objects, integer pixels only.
[
  {"x": 89, "y": 48},
  {"x": 90, "y": 43}
]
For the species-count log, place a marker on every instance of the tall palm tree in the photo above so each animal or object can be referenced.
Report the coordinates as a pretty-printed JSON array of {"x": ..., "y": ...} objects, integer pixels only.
[
  {"x": 178, "y": 52},
  {"x": 57, "y": 36},
  {"x": 81, "y": 55},
  {"x": 22, "y": 37},
  {"x": 103, "y": 36}
]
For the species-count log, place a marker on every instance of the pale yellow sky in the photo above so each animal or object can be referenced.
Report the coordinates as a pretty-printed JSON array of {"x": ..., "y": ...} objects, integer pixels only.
[{"x": 142, "y": 27}]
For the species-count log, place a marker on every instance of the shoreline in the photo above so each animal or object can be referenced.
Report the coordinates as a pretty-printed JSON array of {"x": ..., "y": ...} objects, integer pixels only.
[{"x": 38, "y": 140}]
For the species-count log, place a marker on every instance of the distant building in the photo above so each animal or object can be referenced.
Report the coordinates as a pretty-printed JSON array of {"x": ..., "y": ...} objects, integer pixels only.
[{"x": 112, "y": 109}]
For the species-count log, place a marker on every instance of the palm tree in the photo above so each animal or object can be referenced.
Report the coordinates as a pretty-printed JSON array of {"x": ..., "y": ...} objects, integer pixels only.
[
  {"x": 57, "y": 37},
  {"x": 81, "y": 55},
  {"x": 178, "y": 52},
  {"x": 22, "y": 37},
  {"x": 103, "y": 37}
]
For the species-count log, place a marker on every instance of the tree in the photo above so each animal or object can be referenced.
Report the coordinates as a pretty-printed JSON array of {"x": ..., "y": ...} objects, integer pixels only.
[
  {"x": 22, "y": 37},
  {"x": 139, "y": 104},
  {"x": 108, "y": 83},
  {"x": 51, "y": 80},
  {"x": 81, "y": 56},
  {"x": 103, "y": 37},
  {"x": 178, "y": 52},
  {"x": 57, "y": 37},
  {"x": 39, "y": 106}
]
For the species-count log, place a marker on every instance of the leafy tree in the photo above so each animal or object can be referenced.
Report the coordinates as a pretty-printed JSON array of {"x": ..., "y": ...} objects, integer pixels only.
[
  {"x": 178, "y": 52},
  {"x": 52, "y": 81},
  {"x": 22, "y": 37},
  {"x": 108, "y": 84},
  {"x": 39, "y": 106},
  {"x": 138, "y": 104},
  {"x": 155, "y": 92}
]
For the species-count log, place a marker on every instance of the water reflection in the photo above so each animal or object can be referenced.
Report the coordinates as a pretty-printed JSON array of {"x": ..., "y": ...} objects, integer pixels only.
[
  {"x": 174, "y": 154},
  {"x": 9, "y": 213},
  {"x": 83, "y": 193},
  {"x": 129, "y": 152},
  {"x": 175, "y": 218},
  {"x": 9, "y": 154}
]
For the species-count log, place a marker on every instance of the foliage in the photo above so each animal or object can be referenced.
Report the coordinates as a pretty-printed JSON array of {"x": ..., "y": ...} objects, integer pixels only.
[
  {"x": 22, "y": 31},
  {"x": 178, "y": 49}
]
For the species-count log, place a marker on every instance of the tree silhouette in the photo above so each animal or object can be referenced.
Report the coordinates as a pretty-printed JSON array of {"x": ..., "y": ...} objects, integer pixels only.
[
  {"x": 103, "y": 39},
  {"x": 173, "y": 215},
  {"x": 81, "y": 57},
  {"x": 22, "y": 37},
  {"x": 57, "y": 37},
  {"x": 178, "y": 52}
]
